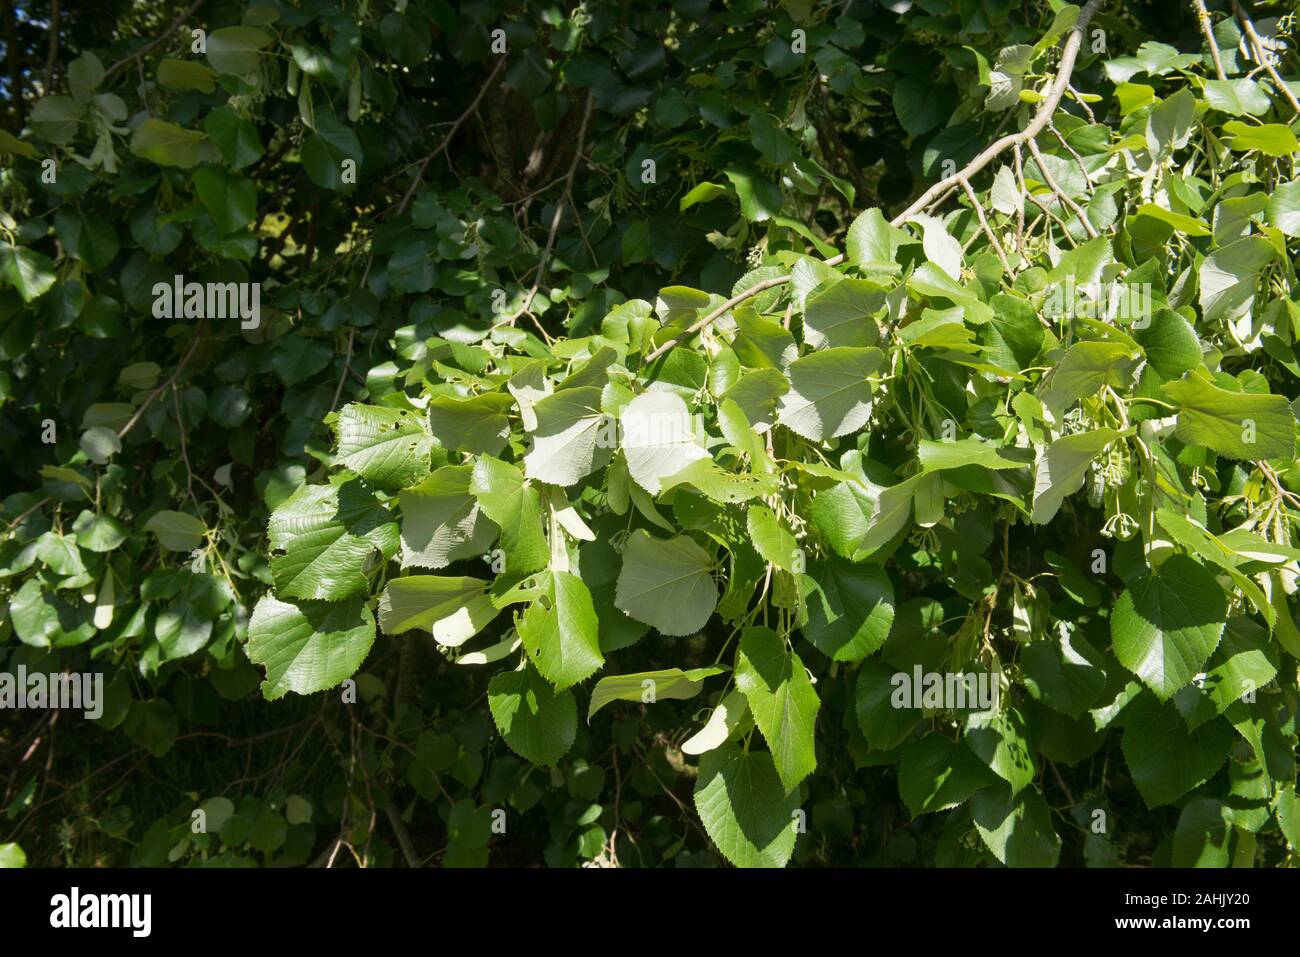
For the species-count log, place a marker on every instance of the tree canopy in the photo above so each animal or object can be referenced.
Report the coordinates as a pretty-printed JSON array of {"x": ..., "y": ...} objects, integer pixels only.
[{"x": 651, "y": 433}]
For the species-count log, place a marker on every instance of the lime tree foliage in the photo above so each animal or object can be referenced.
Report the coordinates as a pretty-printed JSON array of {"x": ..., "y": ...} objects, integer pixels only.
[{"x": 603, "y": 433}]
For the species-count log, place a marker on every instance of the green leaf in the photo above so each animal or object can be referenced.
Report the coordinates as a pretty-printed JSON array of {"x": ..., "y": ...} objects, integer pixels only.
[
  {"x": 182, "y": 628},
  {"x": 1284, "y": 208},
  {"x": 168, "y": 144},
  {"x": 476, "y": 424},
  {"x": 1062, "y": 467},
  {"x": 12, "y": 856},
  {"x": 13, "y": 145},
  {"x": 55, "y": 118},
  {"x": 959, "y": 453},
  {"x": 89, "y": 238},
  {"x": 1271, "y": 139},
  {"x": 920, "y": 104},
  {"x": 720, "y": 485},
  {"x": 28, "y": 271},
  {"x": 176, "y": 531},
  {"x": 937, "y": 773},
  {"x": 99, "y": 533},
  {"x": 425, "y": 601},
  {"x": 298, "y": 358},
  {"x": 1240, "y": 425},
  {"x": 658, "y": 438},
  {"x": 883, "y": 723},
  {"x": 516, "y": 507},
  {"x": 442, "y": 522},
  {"x": 850, "y": 608},
  {"x": 782, "y": 700},
  {"x": 329, "y": 535},
  {"x": 858, "y": 520},
  {"x": 756, "y": 394},
  {"x": 1065, "y": 673},
  {"x": 536, "y": 721},
  {"x": 744, "y": 808},
  {"x": 829, "y": 393},
  {"x": 230, "y": 199},
  {"x": 560, "y": 631},
  {"x": 1228, "y": 275},
  {"x": 176, "y": 74},
  {"x": 1000, "y": 740},
  {"x": 1286, "y": 807},
  {"x": 323, "y": 155},
  {"x": 308, "y": 646},
  {"x": 1183, "y": 224},
  {"x": 1165, "y": 759},
  {"x": 570, "y": 440},
  {"x": 1169, "y": 125},
  {"x": 234, "y": 137},
  {"x": 770, "y": 538},
  {"x": 730, "y": 712},
  {"x": 666, "y": 583},
  {"x": 1243, "y": 663},
  {"x": 871, "y": 244},
  {"x": 100, "y": 444},
  {"x": 1013, "y": 337},
  {"x": 701, "y": 193},
  {"x": 760, "y": 198},
  {"x": 648, "y": 687},
  {"x": 1203, "y": 836},
  {"x": 236, "y": 50},
  {"x": 1166, "y": 624},
  {"x": 389, "y": 448},
  {"x": 1016, "y": 827},
  {"x": 1170, "y": 344},
  {"x": 60, "y": 554},
  {"x": 1085, "y": 368},
  {"x": 842, "y": 314}
]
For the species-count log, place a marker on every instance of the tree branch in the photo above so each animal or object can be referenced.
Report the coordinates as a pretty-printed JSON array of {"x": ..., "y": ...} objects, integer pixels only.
[
  {"x": 1261, "y": 54},
  {"x": 1203, "y": 17},
  {"x": 1069, "y": 54}
]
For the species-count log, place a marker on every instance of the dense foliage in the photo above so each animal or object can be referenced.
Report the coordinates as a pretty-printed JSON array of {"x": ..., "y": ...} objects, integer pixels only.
[{"x": 623, "y": 414}]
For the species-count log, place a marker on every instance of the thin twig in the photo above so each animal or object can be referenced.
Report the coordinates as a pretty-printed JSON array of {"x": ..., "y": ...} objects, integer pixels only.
[
  {"x": 566, "y": 198},
  {"x": 1060, "y": 193},
  {"x": 403, "y": 838},
  {"x": 185, "y": 455},
  {"x": 723, "y": 309},
  {"x": 1020, "y": 206},
  {"x": 347, "y": 365},
  {"x": 135, "y": 417},
  {"x": 1083, "y": 168},
  {"x": 984, "y": 225},
  {"x": 1083, "y": 104},
  {"x": 27, "y": 511},
  {"x": 419, "y": 173},
  {"x": 51, "y": 60}
]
